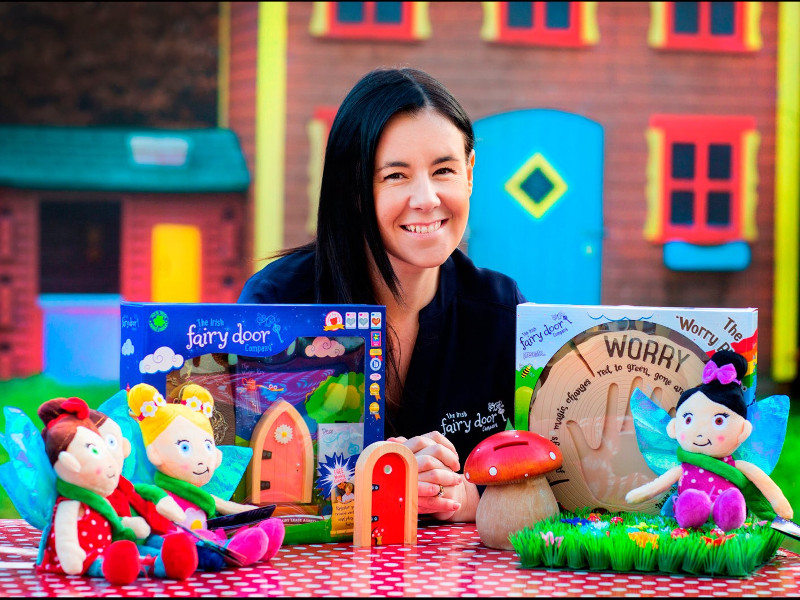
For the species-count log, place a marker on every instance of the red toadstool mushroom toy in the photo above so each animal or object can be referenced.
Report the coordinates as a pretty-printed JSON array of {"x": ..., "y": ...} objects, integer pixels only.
[{"x": 512, "y": 464}]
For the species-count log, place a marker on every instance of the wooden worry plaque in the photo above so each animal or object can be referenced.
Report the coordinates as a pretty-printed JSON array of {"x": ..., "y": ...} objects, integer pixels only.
[{"x": 581, "y": 401}]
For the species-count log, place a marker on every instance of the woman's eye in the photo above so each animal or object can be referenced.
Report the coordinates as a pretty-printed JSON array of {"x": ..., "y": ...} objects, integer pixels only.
[
  {"x": 184, "y": 447},
  {"x": 209, "y": 446},
  {"x": 719, "y": 421},
  {"x": 444, "y": 171},
  {"x": 394, "y": 176},
  {"x": 111, "y": 441},
  {"x": 93, "y": 449},
  {"x": 688, "y": 419}
]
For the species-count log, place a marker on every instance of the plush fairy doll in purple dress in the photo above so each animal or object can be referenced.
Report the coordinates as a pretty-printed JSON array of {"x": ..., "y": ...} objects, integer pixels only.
[{"x": 710, "y": 424}]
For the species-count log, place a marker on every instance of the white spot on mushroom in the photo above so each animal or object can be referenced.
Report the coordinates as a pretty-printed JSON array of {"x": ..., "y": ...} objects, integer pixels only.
[
  {"x": 492, "y": 471},
  {"x": 467, "y": 476},
  {"x": 552, "y": 456}
]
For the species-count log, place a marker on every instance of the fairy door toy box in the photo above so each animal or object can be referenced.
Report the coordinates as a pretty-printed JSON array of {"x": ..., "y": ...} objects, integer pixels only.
[
  {"x": 577, "y": 368},
  {"x": 301, "y": 385}
]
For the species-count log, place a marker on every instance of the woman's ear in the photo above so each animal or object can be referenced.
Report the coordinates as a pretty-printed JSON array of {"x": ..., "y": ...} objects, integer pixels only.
[
  {"x": 470, "y": 168},
  {"x": 69, "y": 462},
  {"x": 154, "y": 456},
  {"x": 126, "y": 447},
  {"x": 219, "y": 458},
  {"x": 747, "y": 429}
]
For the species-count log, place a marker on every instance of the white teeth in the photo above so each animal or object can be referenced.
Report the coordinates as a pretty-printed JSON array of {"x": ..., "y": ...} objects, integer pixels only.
[{"x": 423, "y": 228}]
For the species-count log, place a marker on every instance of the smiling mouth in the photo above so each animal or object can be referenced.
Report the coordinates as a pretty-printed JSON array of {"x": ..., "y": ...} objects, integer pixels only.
[
  {"x": 708, "y": 443},
  {"x": 201, "y": 472},
  {"x": 429, "y": 228}
]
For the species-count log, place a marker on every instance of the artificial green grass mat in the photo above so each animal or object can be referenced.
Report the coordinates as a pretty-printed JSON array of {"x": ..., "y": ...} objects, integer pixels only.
[{"x": 630, "y": 542}]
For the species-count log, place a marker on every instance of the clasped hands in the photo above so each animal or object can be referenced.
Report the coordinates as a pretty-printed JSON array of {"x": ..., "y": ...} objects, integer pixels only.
[{"x": 443, "y": 491}]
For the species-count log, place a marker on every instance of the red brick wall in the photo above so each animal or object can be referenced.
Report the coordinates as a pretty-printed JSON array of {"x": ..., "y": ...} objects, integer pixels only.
[
  {"x": 20, "y": 316},
  {"x": 242, "y": 94},
  {"x": 619, "y": 83}
]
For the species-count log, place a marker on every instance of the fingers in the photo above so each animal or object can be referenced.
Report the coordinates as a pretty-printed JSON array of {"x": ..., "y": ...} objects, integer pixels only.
[
  {"x": 435, "y": 445},
  {"x": 438, "y": 475},
  {"x": 437, "y": 465},
  {"x": 433, "y": 498}
]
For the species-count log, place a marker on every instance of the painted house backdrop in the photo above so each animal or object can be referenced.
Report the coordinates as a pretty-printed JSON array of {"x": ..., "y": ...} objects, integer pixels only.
[{"x": 628, "y": 152}]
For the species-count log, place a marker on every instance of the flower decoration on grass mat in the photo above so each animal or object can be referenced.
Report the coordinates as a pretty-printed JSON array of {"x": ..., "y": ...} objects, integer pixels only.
[{"x": 637, "y": 542}]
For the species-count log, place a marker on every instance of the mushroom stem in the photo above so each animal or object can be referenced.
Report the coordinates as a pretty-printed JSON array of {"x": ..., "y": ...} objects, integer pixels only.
[{"x": 506, "y": 509}]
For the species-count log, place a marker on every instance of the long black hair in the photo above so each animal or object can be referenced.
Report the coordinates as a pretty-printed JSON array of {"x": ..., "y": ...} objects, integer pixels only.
[{"x": 347, "y": 227}]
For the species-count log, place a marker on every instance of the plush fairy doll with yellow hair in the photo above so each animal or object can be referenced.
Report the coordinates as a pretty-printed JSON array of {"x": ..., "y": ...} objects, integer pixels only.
[{"x": 179, "y": 442}]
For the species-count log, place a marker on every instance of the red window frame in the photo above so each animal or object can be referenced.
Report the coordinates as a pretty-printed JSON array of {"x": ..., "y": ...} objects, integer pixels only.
[
  {"x": 539, "y": 34},
  {"x": 702, "y": 132},
  {"x": 703, "y": 40},
  {"x": 369, "y": 28}
]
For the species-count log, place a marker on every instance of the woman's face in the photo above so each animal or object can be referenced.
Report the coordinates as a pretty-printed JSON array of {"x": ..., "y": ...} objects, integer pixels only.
[{"x": 422, "y": 184}]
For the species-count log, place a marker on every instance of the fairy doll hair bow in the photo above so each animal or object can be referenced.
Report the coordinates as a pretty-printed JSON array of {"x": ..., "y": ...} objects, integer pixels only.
[{"x": 725, "y": 374}]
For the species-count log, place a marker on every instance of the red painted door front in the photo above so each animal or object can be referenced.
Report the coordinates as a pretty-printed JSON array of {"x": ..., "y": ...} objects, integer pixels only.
[
  {"x": 282, "y": 462},
  {"x": 388, "y": 501}
]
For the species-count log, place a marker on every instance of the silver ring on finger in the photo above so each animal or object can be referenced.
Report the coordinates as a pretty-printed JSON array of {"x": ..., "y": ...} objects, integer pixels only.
[{"x": 440, "y": 493}]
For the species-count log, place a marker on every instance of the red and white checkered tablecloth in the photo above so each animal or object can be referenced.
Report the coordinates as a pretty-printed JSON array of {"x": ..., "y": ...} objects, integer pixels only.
[{"x": 447, "y": 561}]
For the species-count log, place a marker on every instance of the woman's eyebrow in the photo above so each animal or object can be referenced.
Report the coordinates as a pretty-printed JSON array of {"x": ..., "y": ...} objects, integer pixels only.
[
  {"x": 399, "y": 163},
  {"x": 394, "y": 164}
]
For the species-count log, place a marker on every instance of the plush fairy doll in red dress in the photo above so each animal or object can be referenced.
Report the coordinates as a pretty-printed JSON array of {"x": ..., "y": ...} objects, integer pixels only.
[{"x": 86, "y": 536}]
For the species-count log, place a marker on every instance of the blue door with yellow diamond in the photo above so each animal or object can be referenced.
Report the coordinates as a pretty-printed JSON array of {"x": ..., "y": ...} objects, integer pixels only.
[{"x": 537, "y": 203}]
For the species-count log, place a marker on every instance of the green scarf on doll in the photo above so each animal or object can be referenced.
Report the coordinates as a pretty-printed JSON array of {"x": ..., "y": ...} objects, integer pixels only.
[
  {"x": 753, "y": 497},
  {"x": 187, "y": 491}
]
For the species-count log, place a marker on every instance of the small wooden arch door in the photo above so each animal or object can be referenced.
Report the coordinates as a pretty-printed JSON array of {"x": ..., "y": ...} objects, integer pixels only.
[
  {"x": 283, "y": 458},
  {"x": 386, "y": 496}
]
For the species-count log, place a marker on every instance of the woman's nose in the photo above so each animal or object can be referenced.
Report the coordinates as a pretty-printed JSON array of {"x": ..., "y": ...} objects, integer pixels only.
[{"x": 424, "y": 195}]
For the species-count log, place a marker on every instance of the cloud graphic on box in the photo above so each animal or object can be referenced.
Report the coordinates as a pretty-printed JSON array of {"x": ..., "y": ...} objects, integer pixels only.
[
  {"x": 127, "y": 347},
  {"x": 323, "y": 346},
  {"x": 161, "y": 361}
]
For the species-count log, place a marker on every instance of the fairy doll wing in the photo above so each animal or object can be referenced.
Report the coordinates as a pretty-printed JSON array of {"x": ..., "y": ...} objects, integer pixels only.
[
  {"x": 650, "y": 422},
  {"x": 28, "y": 476},
  {"x": 228, "y": 475},
  {"x": 136, "y": 469},
  {"x": 769, "y": 417}
]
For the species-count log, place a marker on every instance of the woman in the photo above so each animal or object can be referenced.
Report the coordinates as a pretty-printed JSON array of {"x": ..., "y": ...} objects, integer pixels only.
[{"x": 393, "y": 208}]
